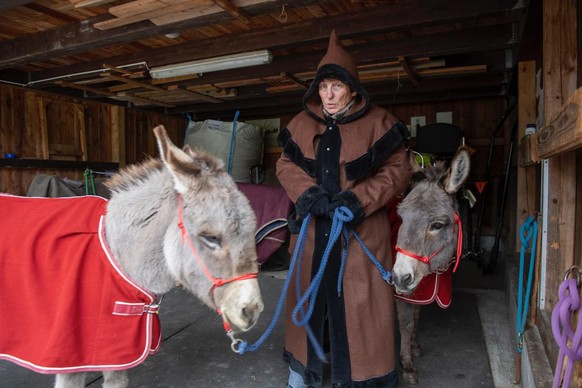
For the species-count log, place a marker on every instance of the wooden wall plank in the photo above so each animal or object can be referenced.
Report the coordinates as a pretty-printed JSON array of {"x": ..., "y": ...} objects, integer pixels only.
[
  {"x": 23, "y": 112},
  {"x": 44, "y": 137},
  {"x": 559, "y": 79},
  {"x": 563, "y": 131}
]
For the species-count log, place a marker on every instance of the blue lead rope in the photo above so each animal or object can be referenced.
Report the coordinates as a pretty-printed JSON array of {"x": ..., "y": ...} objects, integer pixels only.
[
  {"x": 527, "y": 232},
  {"x": 299, "y": 316},
  {"x": 244, "y": 347}
]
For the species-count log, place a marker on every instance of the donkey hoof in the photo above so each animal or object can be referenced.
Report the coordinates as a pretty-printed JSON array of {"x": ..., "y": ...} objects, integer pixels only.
[{"x": 410, "y": 377}]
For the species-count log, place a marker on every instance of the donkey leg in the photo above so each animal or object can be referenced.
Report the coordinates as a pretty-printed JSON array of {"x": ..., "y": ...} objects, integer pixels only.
[
  {"x": 406, "y": 325},
  {"x": 415, "y": 348},
  {"x": 70, "y": 380},
  {"x": 115, "y": 379}
]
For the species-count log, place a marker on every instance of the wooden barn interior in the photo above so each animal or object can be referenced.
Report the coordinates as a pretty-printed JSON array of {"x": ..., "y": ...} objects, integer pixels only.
[{"x": 82, "y": 86}]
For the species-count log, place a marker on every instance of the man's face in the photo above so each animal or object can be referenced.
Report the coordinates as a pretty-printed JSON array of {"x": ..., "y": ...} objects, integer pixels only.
[{"x": 335, "y": 95}]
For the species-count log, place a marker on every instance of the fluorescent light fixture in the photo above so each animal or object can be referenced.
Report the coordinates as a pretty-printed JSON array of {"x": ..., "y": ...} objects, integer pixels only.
[{"x": 235, "y": 61}]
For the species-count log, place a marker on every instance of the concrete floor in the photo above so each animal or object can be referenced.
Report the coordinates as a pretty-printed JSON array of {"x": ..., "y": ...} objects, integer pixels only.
[{"x": 468, "y": 345}]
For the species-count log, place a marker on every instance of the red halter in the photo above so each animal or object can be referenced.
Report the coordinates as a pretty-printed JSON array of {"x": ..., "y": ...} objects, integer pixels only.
[
  {"x": 216, "y": 282},
  {"x": 426, "y": 259}
]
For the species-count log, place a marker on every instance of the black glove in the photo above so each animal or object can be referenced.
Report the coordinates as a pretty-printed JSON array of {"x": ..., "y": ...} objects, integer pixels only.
[
  {"x": 349, "y": 200},
  {"x": 320, "y": 208}
]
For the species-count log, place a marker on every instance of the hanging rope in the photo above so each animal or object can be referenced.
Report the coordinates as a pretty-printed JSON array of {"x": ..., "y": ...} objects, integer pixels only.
[
  {"x": 232, "y": 141},
  {"x": 89, "y": 176},
  {"x": 243, "y": 346},
  {"x": 567, "y": 310},
  {"x": 528, "y": 233}
]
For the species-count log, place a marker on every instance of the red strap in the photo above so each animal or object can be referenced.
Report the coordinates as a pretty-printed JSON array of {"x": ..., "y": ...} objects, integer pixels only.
[
  {"x": 217, "y": 282},
  {"x": 459, "y": 240},
  {"x": 426, "y": 259}
]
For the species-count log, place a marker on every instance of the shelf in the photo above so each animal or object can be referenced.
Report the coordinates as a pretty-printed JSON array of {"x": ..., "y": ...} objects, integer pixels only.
[{"x": 64, "y": 164}]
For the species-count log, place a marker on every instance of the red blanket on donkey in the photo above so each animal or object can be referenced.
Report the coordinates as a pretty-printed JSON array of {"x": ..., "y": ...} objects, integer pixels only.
[
  {"x": 435, "y": 286},
  {"x": 66, "y": 306}
]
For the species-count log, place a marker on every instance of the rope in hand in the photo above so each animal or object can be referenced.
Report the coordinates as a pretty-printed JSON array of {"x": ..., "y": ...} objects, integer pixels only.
[
  {"x": 567, "y": 337},
  {"x": 300, "y": 316},
  {"x": 527, "y": 233}
]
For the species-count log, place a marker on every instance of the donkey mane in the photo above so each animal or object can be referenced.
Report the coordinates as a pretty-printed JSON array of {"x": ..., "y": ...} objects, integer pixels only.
[
  {"x": 134, "y": 174},
  {"x": 436, "y": 172}
]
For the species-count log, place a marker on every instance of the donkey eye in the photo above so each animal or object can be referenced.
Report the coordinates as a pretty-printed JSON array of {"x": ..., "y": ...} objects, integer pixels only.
[
  {"x": 212, "y": 241},
  {"x": 436, "y": 226}
]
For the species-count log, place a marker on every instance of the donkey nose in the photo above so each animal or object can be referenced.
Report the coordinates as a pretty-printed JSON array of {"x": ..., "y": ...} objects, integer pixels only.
[
  {"x": 403, "y": 280},
  {"x": 252, "y": 311}
]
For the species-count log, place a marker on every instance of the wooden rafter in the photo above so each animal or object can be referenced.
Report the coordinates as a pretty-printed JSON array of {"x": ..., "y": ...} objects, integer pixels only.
[
  {"x": 385, "y": 76},
  {"x": 149, "y": 101},
  {"x": 8, "y": 4},
  {"x": 193, "y": 94},
  {"x": 235, "y": 11},
  {"x": 407, "y": 69},
  {"x": 121, "y": 71},
  {"x": 131, "y": 81},
  {"x": 74, "y": 38},
  {"x": 295, "y": 80},
  {"x": 171, "y": 11},
  {"x": 85, "y": 88},
  {"x": 165, "y": 89},
  {"x": 89, "y": 3}
]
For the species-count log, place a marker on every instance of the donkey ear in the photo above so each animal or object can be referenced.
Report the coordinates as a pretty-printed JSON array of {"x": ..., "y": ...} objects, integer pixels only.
[
  {"x": 458, "y": 171},
  {"x": 179, "y": 163}
]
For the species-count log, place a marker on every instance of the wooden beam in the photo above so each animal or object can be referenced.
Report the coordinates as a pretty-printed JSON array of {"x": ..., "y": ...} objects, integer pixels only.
[
  {"x": 380, "y": 92},
  {"x": 559, "y": 80},
  {"x": 377, "y": 76},
  {"x": 122, "y": 71},
  {"x": 527, "y": 183},
  {"x": 563, "y": 132},
  {"x": 407, "y": 69},
  {"x": 235, "y": 11},
  {"x": 149, "y": 101},
  {"x": 78, "y": 37},
  {"x": 46, "y": 11},
  {"x": 489, "y": 38},
  {"x": 8, "y": 4},
  {"x": 193, "y": 94},
  {"x": 85, "y": 88},
  {"x": 135, "y": 12},
  {"x": 302, "y": 84},
  {"x": 89, "y": 3},
  {"x": 130, "y": 81}
]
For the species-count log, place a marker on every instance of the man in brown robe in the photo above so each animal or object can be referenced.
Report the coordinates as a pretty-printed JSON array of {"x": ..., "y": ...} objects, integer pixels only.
[{"x": 343, "y": 151}]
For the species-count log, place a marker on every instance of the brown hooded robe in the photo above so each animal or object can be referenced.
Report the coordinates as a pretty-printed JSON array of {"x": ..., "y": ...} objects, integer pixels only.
[{"x": 358, "y": 160}]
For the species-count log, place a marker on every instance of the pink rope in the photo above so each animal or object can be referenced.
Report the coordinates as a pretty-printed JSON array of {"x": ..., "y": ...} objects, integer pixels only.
[{"x": 567, "y": 337}]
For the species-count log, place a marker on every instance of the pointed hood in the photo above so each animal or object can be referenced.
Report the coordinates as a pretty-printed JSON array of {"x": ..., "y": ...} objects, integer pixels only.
[
  {"x": 337, "y": 55},
  {"x": 337, "y": 63}
]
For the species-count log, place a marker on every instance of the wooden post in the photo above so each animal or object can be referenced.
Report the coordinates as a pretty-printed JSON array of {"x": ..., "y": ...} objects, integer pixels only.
[
  {"x": 559, "y": 79},
  {"x": 527, "y": 182}
]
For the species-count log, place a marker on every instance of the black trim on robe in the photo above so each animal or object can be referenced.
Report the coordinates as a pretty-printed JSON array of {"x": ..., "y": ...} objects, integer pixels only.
[
  {"x": 294, "y": 153},
  {"x": 368, "y": 163}
]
